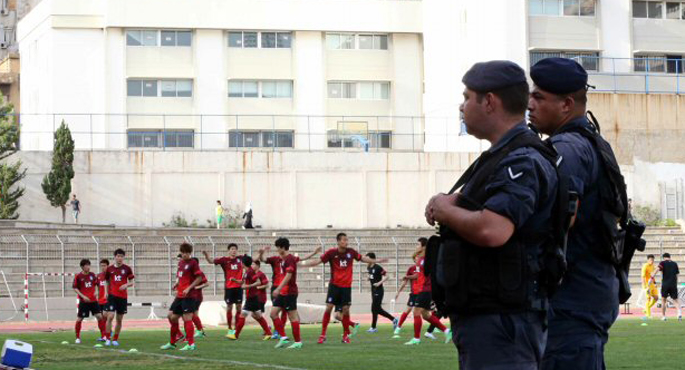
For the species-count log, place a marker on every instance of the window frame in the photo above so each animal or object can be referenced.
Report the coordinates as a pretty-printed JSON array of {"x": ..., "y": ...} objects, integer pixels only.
[
  {"x": 236, "y": 135},
  {"x": 158, "y": 88},
  {"x": 259, "y": 39},
  {"x": 582, "y": 55},
  {"x": 561, "y": 9},
  {"x": 161, "y": 138},
  {"x": 158, "y": 37}
]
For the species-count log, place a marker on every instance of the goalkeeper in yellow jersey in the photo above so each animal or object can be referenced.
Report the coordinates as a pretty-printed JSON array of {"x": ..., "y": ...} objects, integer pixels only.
[{"x": 649, "y": 285}]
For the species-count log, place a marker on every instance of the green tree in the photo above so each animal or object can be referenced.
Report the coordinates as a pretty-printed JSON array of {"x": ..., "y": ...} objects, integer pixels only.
[
  {"x": 10, "y": 174},
  {"x": 57, "y": 183}
]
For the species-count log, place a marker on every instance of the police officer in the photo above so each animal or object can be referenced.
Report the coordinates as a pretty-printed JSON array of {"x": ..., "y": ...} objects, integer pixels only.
[
  {"x": 492, "y": 328},
  {"x": 586, "y": 304}
]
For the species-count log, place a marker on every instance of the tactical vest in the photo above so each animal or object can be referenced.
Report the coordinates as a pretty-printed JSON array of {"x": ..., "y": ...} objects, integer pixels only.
[{"x": 516, "y": 277}]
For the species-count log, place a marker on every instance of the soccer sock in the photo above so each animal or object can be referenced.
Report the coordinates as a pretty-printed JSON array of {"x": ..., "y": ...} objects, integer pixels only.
[
  {"x": 240, "y": 322},
  {"x": 229, "y": 319},
  {"x": 278, "y": 324},
  {"x": 284, "y": 317},
  {"x": 264, "y": 325},
  {"x": 102, "y": 325},
  {"x": 190, "y": 331},
  {"x": 78, "y": 329},
  {"x": 237, "y": 317},
  {"x": 677, "y": 306},
  {"x": 197, "y": 322},
  {"x": 324, "y": 324},
  {"x": 436, "y": 321},
  {"x": 374, "y": 320},
  {"x": 175, "y": 329},
  {"x": 296, "y": 330},
  {"x": 402, "y": 318},
  {"x": 116, "y": 336},
  {"x": 418, "y": 321},
  {"x": 346, "y": 324}
]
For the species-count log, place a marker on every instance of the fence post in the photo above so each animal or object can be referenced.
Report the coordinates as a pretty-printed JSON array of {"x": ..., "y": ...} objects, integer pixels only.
[
  {"x": 91, "y": 131},
  {"x": 201, "y": 134},
  {"x": 169, "y": 265},
  {"x": 359, "y": 249},
  {"x": 309, "y": 135},
  {"x": 63, "y": 262},
  {"x": 133, "y": 259},
  {"x": 247, "y": 240},
  {"x": 273, "y": 132},
  {"x": 412, "y": 134},
  {"x": 213, "y": 266},
  {"x": 397, "y": 264},
  {"x": 97, "y": 249},
  {"x": 613, "y": 72},
  {"x": 27, "y": 252},
  {"x": 323, "y": 268}
]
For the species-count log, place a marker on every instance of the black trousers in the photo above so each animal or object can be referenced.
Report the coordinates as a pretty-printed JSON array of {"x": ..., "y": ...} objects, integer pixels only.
[{"x": 377, "y": 306}]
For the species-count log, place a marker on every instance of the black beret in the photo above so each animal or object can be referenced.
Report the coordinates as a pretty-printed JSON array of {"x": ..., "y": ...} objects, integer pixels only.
[
  {"x": 493, "y": 75},
  {"x": 559, "y": 75}
]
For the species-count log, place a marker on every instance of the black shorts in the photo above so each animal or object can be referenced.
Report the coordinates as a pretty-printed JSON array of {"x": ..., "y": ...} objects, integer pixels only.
[
  {"x": 411, "y": 302},
  {"x": 424, "y": 300},
  {"x": 198, "y": 303},
  {"x": 669, "y": 291},
  {"x": 340, "y": 297},
  {"x": 182, "y": 306},
  {"x": 252, "y": 304},
  {"x": 117, "y": 304},
  {"x": 102, "y": 306},
  {"x": 86, "y": 308},
  {"x": 286, "y": 302},
  {"x": 233, "y": 296}
]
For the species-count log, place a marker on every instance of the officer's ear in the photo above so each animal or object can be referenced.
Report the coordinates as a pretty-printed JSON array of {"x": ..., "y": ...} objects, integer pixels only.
[{"x": 568, "y": 104}]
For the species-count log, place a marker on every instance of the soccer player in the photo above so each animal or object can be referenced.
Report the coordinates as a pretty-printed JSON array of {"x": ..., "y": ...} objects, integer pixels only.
[
  {"x": 118, "y": 278},
  {"x": 340, "y": 286},
  {"x": 84, "y": 285},
  {"x": 378, "y": 276},
  {"x": 278, "y": 274},
  {"x": 285, "y": 296},
  {"x": 422, "y": 306},
  {"x": 233, "y": 274},
  {"x": 669, "y": 284},
  {"x": 188, "y": 276},
  {"x": 649, "y": 285},
  {"x": 198, "y": 297},
  {"x": 252, "y": 283},
  {"x": 409, "y": 278},
  {"x": 102, "y": 298}
]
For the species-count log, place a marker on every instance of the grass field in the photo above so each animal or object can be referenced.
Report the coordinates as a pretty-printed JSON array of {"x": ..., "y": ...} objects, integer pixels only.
[{"x": 632, "y": 346}]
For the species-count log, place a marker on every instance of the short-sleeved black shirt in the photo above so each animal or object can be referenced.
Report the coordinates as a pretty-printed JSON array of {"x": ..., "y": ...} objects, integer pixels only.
[
  {"x": 376, "y": 273},
  {"x": 670, "y": 272}
]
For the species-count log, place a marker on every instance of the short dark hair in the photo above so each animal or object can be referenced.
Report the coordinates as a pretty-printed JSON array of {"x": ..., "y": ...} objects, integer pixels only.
[
  {"x": 256, "y": 262},
  {"x": 666, "y": 255},
  {"x": 282, "y": 243},
  {"x": 179, "y": 255},
  {"x": 423, "y": 241},
  {"x": 119, "y": 251},
  {"x": 186, "y": 248},
  {"x": 105, "y": 261},
  {"x": 247, "y": 260},
  {"x": 650, "y": 256},
  {"x": 339, "y": 236},
  {"x": 514, "y": 98},
  {"x": 371, "y": 255},
  {"x": 232, "y": 245},
  {"x": 84, "y": 262},
  {"x": 579, "y": 96}
]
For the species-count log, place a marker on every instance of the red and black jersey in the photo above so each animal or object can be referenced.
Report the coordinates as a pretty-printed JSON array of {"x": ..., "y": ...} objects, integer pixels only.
[
  {"x": 188, "y": 271},
  {"x": 289, "y": 265},
  {"x": 117, "y": 276},
  {"x": 341, "y": 265},
  {"x": 261, "y": 293},
  {"x": 196, "y": 294},
  {"x": 277, "y": 270},
  {"x": 424, "y": 281},
  {"x": 250, "y": 278},
  {"x": 102, "y": 288},
  {"x": 233, "y": 268},
  {"x": 415, "y": 284},
  {"x": 86, "y": 284}
]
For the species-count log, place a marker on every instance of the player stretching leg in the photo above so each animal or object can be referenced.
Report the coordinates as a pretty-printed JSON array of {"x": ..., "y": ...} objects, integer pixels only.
[
  {"x": 252, "y": 283},
  {"x": 188, "y": 276},
  {"x": 118, "y": 278},
  {"x": 84, "y": 285},
  {"x": 233, "y": 274},
  {"x": 285, "y": 296}
]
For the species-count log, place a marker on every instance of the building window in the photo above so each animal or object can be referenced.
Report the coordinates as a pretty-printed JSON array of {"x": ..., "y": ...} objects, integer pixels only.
[
  {"x": 338, "y": 41},
  {"x": 659, "y": 9},
  {"x": 263, "y": 89},
  {"x": 161, "y": 138},
  {"x": 583, "y": 8},
  {"x": 342, "y": 90},
  {"x": 658, "y": 63},
  {"x": 367, "y": 90},
  {"x": 265, "y": 40},
  {"x": 163, "y": 88},
  {"x": 363, "y": 140},
  {"x": 277, "y": 89},
  {"x": 588, "y": 59},
  {"x": 155, "y": 37},
  {"x": 373, "y": 42},
  {"x": 260, "y": 139}
]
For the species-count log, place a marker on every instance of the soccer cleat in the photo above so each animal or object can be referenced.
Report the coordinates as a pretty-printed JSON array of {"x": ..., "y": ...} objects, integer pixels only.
[
  {"x": 266, "y": 337},
  {"x": 296, "y": 345},
  {"x": 322, "y": 340},
  {"x": 395, "y": 323},
  {"x": 98, "y": 345},
  {"x": 101, "y": 339},
  {"x": 429, "y": 335},
  {"x": 108, "y": 343},
  {"x": 663, "y": 319},
  {"x": 680, "y": 318},
  {"x": 77, "y": 341},
  {"x": 232, "y": 337},
  {"x": 168, "y": 346},
  {"x": 275, "y": 335},
  {"x": 448, "y": 335},
  {"x": 355, "y": 329},
  {"x": 372, "y": 330},
  {"x": 397, "y": 331},
  {"x": 231, "y": 332},
  {"x": 346, "y": 339},
  {"x": 115, "y": 343},
  {"x": 180, "y": 338},
  {"x": 282, "y": 342},
  {"x": 188, "y": 347},
  {"x": 200, "y": 334},
  {"x": 413, "y": 342}
]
